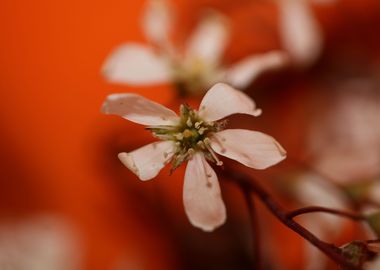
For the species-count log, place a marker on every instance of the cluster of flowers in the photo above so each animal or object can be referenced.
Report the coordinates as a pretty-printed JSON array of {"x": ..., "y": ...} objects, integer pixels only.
[{"x": 197, "y": 137}]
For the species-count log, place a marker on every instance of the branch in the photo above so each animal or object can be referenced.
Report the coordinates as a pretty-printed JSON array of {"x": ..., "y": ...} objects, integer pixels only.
[
  {"x": 255, "y": 228},
  {"x": 247, "y": 183},
  {"x": 314, "y": 209}
]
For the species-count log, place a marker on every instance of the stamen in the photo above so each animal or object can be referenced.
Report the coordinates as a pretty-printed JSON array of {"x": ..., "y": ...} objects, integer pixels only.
[
  {"x": 214, "y": 156},
  {"x": 202, "y": 130},
  {"x": 178, "y": 136},
  {"x": 198, "y": 124},
  {"x": 187, "y": 133},
  {"x": 188, "y": 122}
]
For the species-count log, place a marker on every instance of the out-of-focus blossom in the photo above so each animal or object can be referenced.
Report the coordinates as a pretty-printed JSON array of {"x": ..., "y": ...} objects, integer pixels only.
[
  {"x": 374, "y": 265},
  {"x": 195, "y": 68},
  {"x": 311, "y": 190},
  {"x": 300, "y": 32},
  {"x": 196, "y": 137},
  {"x": 345, "y": 136},
  {"x": 41, "y": 243}
]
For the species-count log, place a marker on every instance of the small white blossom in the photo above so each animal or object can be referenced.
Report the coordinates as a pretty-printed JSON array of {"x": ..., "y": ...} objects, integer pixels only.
[
  {"x": 196, "y": 137},
  {"x": 39, "y": 243},
  {"x": 193, "y": 69}
]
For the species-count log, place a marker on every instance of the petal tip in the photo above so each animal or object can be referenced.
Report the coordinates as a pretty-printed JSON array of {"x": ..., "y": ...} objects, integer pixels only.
[{"x": 128, "y": 162}]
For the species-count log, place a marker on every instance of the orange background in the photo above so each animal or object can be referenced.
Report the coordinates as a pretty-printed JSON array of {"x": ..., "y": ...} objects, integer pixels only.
[{"x": 54, "y": 141}]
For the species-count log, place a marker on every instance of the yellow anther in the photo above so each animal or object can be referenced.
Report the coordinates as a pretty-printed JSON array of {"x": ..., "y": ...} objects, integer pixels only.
[{"x": 187, "y": 133}]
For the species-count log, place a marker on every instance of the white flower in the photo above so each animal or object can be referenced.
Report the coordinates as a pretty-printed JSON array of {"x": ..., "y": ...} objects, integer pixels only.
[
  {"x": 196, "y": 137},
  {"x": 345, "y": 137},
  {"x": 300, "y": 31},
  {"x": 312, "y": 190},
  {"x": 192, "y": 70},
  {"x": 39, "y": 243}
]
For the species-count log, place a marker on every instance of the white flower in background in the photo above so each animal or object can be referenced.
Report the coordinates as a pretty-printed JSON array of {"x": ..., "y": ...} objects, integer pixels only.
[
  {"x": 345, "y": 137},
  {"x": 374, "y": 265},
  {"x": 300, "y": 31},
  {"x": 193, "y": 69},
  {"x": 196, "y": 137},
  {"x": 312, "y": 190},
  {"x": 41, "y": 243}
]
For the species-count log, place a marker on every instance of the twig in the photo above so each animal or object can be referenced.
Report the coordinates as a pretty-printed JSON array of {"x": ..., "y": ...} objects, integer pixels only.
[
  {"x": 255, "y": 228},
  {"x": 247, "y": 183},
  {"x": 314, "y": 209}
]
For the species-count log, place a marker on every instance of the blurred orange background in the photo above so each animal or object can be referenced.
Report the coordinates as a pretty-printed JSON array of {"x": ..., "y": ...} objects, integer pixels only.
[{"x": 58, "y": 151}]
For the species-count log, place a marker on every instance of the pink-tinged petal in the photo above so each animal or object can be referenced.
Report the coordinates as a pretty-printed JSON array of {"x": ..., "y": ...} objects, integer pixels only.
[
  {"x": 147, "y": 161},
  {"x": 209, "y": 40},
  {"x": 157, "y": 21},
  {"x": 300, "y": 31},
  {"x": 135, "y": 64},
  {"x": 138, "y": 109},
  {"x": 202, "y": 196},
  {"x": 241, "y": 74},
  {"x": 222, "y": 100},
  {"x": 251, "y": 148}
]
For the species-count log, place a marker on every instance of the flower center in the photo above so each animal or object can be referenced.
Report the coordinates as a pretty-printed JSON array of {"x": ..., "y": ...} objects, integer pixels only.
[
  {"x": 190, "y": 135},
  {"x": 193, "y": 76}
]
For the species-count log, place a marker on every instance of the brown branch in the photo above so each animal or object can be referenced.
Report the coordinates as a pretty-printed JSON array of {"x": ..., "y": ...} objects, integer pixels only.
[
  {"x": 315, "y": 209},
  {"x": 247, "y": 183},
  {"x": 255, "y": 228}
]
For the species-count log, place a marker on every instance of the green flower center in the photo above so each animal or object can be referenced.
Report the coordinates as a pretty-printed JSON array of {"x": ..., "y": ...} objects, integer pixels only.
[{"x": 190, "y": 135}]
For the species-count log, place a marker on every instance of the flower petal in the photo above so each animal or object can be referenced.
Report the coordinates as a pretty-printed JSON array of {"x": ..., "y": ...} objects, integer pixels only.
[
  {"x": 138, "y": 109},
  {"x": 135, "y": 64},
  {"x": 301, "y": 35},
  {"x": 157, "y": 21},
  {"x": 251, "y": 148},
  {"x": 222, "y": 100},
  {"x": 201, "y": 195},
  {"x": 147, "y": 161},
  {"x": 244, "y": 72},
  {"x": 209, "y": 40}
]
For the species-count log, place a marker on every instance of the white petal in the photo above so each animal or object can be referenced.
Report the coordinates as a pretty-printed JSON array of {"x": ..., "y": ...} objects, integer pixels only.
[
  {"x": 209, "y": 40},
  {"x": 240, "y": 75},
  {"x": 222, "y": 100},
  {"x": 135, "y": 64},
  {"x": 157, "y": 21},
  {"x": 301, "y": 35},
  {"x": 147, "y": 161},
  {"x": 201, "y": 195},
  {"x": 138, "y": 109},
  {"x": 251, "y": 148}
]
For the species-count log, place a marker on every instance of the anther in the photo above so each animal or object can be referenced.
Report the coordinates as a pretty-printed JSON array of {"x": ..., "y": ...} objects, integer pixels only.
[{"x": 188, "y": 122}]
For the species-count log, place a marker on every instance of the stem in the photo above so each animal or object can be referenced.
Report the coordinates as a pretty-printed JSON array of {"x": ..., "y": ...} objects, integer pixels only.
[
  {"x": 373, "y": 241},
  {"x": 255, "y": 228},
  {"x": 314, "y": 209},
  {"x": 247, "y": 183}
]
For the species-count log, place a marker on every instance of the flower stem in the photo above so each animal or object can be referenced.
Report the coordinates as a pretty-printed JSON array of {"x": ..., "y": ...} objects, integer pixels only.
[
  {"x": 255, "y": 228},
  {"x": 314, "y": 209},
  {"x": 247, "y": 183}
]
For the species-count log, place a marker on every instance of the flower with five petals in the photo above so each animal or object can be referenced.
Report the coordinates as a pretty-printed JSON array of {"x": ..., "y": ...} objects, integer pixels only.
[
  {"x": 196, "y": 137},
  {"x": 193, "y": 69}
]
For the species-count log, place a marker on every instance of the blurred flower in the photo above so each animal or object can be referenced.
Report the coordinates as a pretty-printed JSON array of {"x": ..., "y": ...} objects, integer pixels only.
[
  {"x": 42, "y": 243},
  {"x": 312, "y": 190},
  {"x": 196, "y": 136},
  {"x": 345, "y": 137},
  {"x": 374, "y": 265},
  {"x": 192, "y": 70},
  {"x": 300, "y": 31}
]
